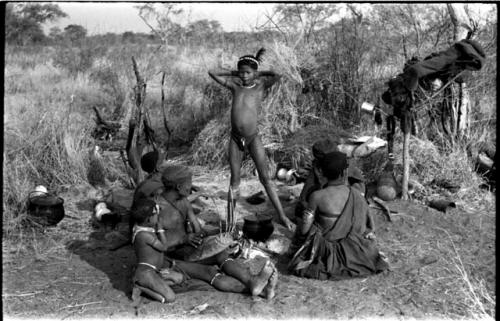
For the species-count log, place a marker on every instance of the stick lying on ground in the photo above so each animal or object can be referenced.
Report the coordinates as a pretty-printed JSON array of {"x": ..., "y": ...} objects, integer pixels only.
[{"x": 383, "y": 207}]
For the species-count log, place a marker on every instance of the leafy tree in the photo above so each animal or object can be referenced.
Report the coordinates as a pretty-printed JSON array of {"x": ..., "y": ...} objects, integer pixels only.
[
  {"x": 159, "y": 19},
  {"x": 23, "y": 21},
  {"x": 129, "y": 36},
  {"x": 299, "y": 19},
  {"x": 203, "y": 31},
  {"x": 75, "y": 33}
]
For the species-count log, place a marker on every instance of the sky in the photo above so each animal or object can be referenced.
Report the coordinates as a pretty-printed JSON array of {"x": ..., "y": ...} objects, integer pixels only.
[{"x": 118, "y": 17}]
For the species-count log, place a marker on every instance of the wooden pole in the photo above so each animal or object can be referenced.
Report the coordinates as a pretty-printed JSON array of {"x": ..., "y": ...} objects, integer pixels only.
[
  {"x": 136, "y": 146},
  {"x": 406, "y": 127}
]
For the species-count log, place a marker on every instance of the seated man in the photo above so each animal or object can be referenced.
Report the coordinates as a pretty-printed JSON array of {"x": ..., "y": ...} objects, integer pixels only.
[
  {"x": 337, "y": 239},
  {"x": 185, "y": 235}
]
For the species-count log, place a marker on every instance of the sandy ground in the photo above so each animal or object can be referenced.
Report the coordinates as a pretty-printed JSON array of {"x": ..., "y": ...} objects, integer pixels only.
[{"x": 69, "y": 272}]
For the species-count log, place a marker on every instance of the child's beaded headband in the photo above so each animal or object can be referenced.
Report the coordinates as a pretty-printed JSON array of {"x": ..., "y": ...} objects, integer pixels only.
[{"x": 249, "y": 58}]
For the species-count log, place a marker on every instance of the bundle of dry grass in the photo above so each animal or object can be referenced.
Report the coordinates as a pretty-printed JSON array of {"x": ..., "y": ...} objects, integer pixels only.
[
  {"x": 296, "y": 150},
  {"x": 210, "y": 146}
]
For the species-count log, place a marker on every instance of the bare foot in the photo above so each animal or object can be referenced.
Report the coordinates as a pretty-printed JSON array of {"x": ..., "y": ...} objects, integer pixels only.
[
  {"x": 270, "y": 289},
  {"x": 259, "y": 282}
]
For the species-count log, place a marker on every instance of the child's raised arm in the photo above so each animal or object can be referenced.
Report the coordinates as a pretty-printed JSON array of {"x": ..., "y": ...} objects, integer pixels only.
[
  {"x": 221, "y": 76},
  {"x": 271, "y": 77}
]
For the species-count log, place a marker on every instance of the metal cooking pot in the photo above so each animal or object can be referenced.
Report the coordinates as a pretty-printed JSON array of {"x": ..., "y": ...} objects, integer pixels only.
[
  {"x": 46, "y": 209},
  {"x": 258, "y": 227}
]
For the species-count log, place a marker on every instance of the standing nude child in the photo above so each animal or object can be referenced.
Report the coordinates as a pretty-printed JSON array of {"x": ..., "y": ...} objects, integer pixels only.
[{"x": 248, "y": 87}]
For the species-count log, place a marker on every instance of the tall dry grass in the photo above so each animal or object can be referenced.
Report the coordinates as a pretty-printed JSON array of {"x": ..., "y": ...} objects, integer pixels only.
[{"x": 45, "y": 136}]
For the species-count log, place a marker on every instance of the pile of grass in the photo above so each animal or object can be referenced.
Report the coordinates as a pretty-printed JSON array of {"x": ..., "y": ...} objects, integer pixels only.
[{"x": 296, "y": 149}]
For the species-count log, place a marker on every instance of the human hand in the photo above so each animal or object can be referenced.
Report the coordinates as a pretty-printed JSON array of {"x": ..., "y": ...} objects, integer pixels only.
[
  {"x": 370, "y": 236},
  {"x": 288, "y": 224},
  {"x": 194, "y": 240}
]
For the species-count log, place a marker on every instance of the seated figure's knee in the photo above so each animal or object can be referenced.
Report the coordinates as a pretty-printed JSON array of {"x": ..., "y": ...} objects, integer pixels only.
[
  {"x": 221, "y": 257},
  {"x": 169, "y": 296},
  {"x": 212, "y": 270}
]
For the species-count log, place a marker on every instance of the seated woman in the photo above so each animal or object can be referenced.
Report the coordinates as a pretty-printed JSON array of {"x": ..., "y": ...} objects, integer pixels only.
[
  {"x": 316, "y": 181},
  {"x": 337, "y": 230}
]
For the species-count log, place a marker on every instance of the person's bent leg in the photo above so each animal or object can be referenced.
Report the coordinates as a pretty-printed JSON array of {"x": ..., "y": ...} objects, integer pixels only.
[
  {"x": 255, "y": 283},
  {"x": 258, "y": 155},
  {"x": 151, "y": 281},
  {"x": 211, "y": 274},
  {"x": 228, "y": 283}
]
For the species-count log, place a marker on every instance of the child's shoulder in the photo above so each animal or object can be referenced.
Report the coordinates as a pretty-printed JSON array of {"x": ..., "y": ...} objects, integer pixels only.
[
  {"x": 142, "y": 233},
  {"x": 145, "y": 238}
]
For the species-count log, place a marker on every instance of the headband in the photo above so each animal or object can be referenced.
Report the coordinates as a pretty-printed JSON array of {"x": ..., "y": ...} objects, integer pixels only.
[{"x": 249, "y": 58}]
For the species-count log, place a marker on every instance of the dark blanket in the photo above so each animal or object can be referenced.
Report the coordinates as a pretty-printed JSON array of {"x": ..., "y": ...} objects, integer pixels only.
[
  {"x": 343, "y": 251},
  {"x": 463, "y": 55}
]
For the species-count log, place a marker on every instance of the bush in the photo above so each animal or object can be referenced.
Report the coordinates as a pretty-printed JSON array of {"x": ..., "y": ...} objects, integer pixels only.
[
  {"x": 109, "y": 84},
  {"x": 77, "y": 60}
]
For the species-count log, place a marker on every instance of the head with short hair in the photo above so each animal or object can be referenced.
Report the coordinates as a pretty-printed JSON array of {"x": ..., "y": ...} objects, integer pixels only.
[
  {"x": 251, "y": 61},
  {"x": 149, "y": 161},
  {"x": 323, "y": 147},
  {"x": 177, "y": 177},
  {"x": 142, "y": 210},
  {"x": 333, "y": 165}
]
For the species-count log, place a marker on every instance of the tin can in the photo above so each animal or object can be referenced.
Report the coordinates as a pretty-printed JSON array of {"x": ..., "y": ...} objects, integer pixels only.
[{"x": 367, "y": 107}]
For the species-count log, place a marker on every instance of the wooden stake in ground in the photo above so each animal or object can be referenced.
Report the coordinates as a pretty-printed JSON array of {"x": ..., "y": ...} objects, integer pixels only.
[
  {"x": 406, "y": 128},
  {"x": 134, "y": 146}
]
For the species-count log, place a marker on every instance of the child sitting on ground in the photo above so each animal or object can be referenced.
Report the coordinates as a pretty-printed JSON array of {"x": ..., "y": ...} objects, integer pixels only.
[
  {"x": 248, "y": 87},
  {"x": 149, "y": 244}
]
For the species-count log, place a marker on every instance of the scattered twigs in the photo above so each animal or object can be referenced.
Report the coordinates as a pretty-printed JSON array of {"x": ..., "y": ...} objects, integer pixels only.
[
  {"x": 131, "y": 180},
  {"x": 428, "y": 99},
  {"x": 383, "y": 206},
  {"x": 15, "y": 295},
  {"x": 80, "y": 305}
]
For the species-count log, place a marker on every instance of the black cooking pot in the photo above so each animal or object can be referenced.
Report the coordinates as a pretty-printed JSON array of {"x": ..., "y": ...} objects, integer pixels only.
[
  {"x": 47, "y": 210},
  {"x": 258, "y": 227}
]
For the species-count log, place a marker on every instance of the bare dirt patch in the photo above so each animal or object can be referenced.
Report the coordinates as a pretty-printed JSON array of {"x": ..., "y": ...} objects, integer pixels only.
[{"x": 442, "y": 266}]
